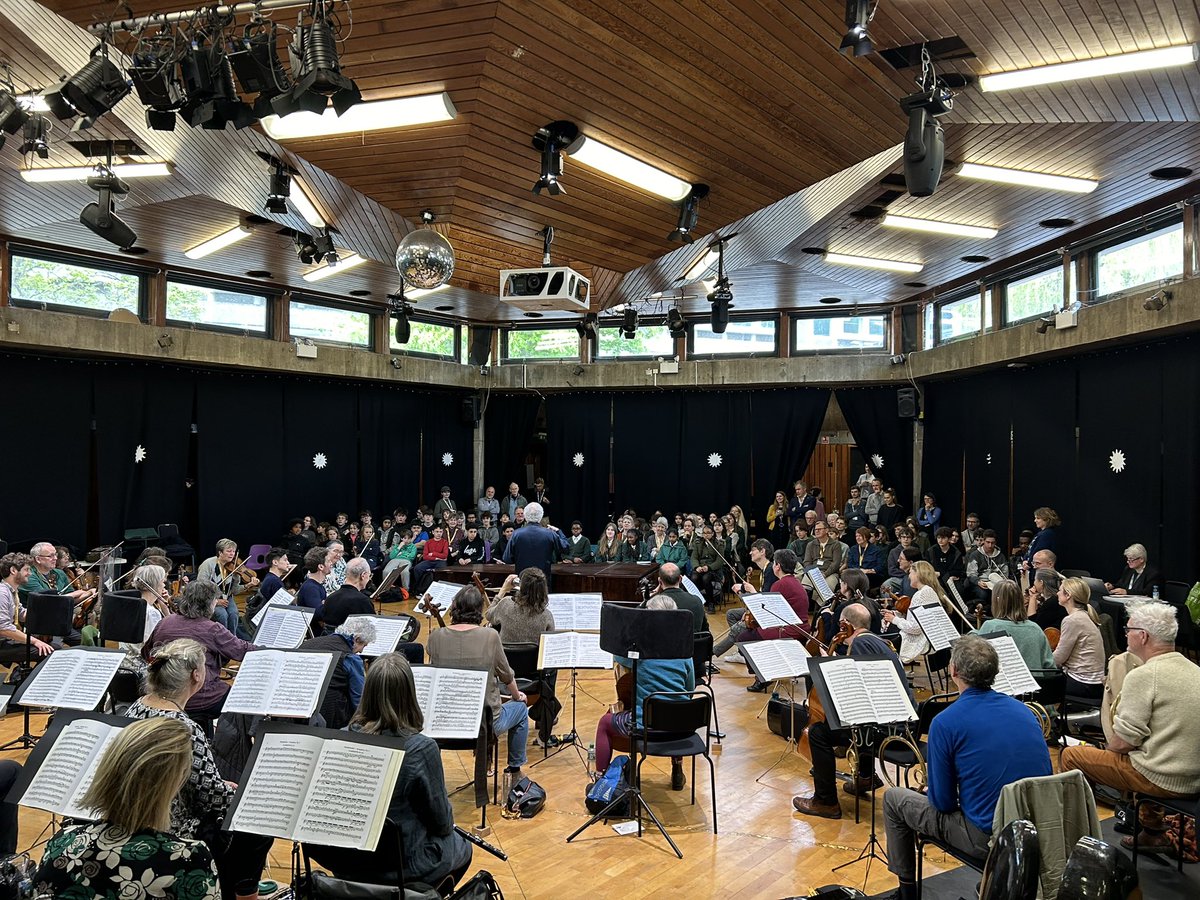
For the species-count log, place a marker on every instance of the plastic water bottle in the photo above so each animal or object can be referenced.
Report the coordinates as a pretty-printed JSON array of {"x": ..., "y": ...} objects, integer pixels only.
[
  {"x": 1154, "y": 593},
  {"x": 591, "y": 751}
]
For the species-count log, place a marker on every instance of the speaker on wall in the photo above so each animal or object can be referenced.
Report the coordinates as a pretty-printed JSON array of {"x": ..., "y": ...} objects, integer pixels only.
[
  {"x": 470, "y": 410},
  {"x": 481, "y": 345},
  {"x": 906, "y": 403}
]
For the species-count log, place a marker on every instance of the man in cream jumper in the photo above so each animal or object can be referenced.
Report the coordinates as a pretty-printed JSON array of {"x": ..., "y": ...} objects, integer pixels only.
[{"x": 1156, "y": 744}]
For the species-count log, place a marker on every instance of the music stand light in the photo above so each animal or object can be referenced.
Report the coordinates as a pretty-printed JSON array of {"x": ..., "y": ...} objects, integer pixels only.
[
  {"x": 641, "y": 634},
  {"x": 123, "y": 617},
  {"x": 50, "y": 613}
]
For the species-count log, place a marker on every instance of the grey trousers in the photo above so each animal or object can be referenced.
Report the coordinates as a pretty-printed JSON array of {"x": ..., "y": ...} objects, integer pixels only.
[
  {"x": 733, "y": 617},
  {"x": 907, "y": 814}
]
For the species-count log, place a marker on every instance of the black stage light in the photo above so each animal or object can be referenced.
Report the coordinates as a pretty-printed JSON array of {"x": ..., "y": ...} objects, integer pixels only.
[
  {"x": 587, "y": 326},
  {"x": 99, "y": 216},
  {"x": 316, "y": 70},
  {"x": 400, "y": 308},
  {"x": 92, "y": 91},
  {"x": 859, "y": 14},
  {"x": 212, "y": 102},
  {"x": 280, "y": 190},
  {"x": 259, "y": 69},
  {"x": 323, "y": 244},
  {"x": 306, "y": 250},
  {"x": 629, "y": 323},
  {"x": 924, "y": 143},
  {"x": 13, "y": 115},
  {"x": 35, "y": 137},
  {"x": 675, "y": 323},
  {"x": 153, "y": 71},
  {"x": 720, "y": 298},
  {"x": 689, "y": 214},
  {"x": 550, "y": 141}
]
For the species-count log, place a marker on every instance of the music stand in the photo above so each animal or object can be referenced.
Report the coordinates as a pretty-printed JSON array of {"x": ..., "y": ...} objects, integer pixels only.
[
  {"x": 47, "y": 612},
  {"x": 640, "y": 634},
  {"x": 123, "y": 617}
]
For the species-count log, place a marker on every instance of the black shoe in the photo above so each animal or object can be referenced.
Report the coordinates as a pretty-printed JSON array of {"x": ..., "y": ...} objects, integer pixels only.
[
  {"x": 758, "y": 687},
  {"x": 678, "y": 780},
  {"x": 713, "y": 670}
]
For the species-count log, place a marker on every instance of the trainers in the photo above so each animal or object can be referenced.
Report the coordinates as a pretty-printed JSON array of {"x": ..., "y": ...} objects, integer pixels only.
[
  {"x": 807, "y": 806},
  {"x": 733, "y": 657},
  {"x": 550, "y": 742},
  {"x": 678, "y": 780}
]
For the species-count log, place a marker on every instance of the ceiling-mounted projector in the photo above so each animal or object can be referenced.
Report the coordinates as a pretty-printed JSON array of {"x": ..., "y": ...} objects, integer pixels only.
[{"x": 534, "y": 290}]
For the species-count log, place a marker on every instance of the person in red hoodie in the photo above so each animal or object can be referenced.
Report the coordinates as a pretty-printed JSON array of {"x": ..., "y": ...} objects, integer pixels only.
[{"x": 433, "y": 556}]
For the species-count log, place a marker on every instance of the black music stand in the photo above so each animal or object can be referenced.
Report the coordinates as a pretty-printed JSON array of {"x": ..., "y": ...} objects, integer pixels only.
[
  {"x": 123, "y": 617},
  {"x": 46, "y": 612},
  {"x": 641, "y": 634}
]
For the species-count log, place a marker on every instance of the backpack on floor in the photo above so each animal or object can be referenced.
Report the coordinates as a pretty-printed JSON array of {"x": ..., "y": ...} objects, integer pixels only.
[{"x": 601, "y": 792}]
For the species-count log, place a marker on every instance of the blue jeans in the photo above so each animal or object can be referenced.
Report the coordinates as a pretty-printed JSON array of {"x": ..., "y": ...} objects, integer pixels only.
[
  {"x": 231, "y": 619},
  {"x": 514, "y": 718}
]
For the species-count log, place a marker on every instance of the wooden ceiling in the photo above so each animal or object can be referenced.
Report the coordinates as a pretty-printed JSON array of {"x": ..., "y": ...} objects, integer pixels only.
[{"x": 750, "y": 97}]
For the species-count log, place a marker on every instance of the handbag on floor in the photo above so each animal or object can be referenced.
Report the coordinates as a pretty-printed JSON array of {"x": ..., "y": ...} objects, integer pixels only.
[
  {"x": 525, "y": 799},
  {"x": 482, "y": 886}
]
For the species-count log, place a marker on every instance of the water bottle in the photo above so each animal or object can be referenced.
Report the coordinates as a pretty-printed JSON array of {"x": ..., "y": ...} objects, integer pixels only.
[{"x": 1154, "y": 593}]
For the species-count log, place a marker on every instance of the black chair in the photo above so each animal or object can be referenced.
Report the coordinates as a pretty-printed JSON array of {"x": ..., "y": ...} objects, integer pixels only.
[
  {"x": 177, "y": 548},
  {"x": 701, "y": 656},
  {"x": 1013, "y": 867},
  {"x": 1117, "y": 611},
  {"x": 1097, "y": 870},
  {"x": 908, "y": 753},
  {"x": 522, "y": 659},
  {"x": 924, "y": 840},
  {"x": 1186, "y": 807},
  {"x": 670, "y": 720},
  {"x": 938, "y": 663},
  {"x": 1075, "y": 573}
]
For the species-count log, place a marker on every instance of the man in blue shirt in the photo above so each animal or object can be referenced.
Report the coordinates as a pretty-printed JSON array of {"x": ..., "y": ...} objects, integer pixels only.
[
  {"x": 534, "y": 545},
  {"x": 980, "y": 743}
]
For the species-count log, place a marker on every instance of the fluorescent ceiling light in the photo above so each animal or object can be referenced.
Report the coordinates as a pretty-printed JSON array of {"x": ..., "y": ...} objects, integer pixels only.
[
  {"x": 702, "y": 265},
  {"x": 596, "y": 155},
  {"x": 1028, "y": 179},
  {"x": 1139, "y": 61},
  {"x": 349, "y": 261},
  {"x": 418, "y": 293},
  {"x": 371, "y": 116},
  {"x": 934, "y": 227},
  {"x": 80, "y": 173},
  {"x": 304, "y": 205},
  {"x": 221, "y": 241},
  {"x": 867, "y": 262}
]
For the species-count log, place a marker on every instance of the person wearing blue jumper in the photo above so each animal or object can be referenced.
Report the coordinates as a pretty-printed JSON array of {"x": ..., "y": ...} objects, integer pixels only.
[
  {"x": 980, "y": 743},
  {"x": 535, "y": 547}
]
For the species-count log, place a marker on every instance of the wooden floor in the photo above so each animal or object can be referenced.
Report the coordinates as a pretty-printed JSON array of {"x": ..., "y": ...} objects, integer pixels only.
[{"x": 763, "y": 850}]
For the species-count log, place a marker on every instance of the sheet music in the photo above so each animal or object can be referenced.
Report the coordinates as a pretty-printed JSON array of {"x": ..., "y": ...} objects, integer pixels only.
[
  {"x": 349, "y": 794},
  {"x": 936, "y": 624},
  {"x": 771, "y": 610},
  {"x": 572, "y": 650},
  {"x": 451, "y": 700},
  {"x": 388, "y": 630},
  {"x": 850, "y": 699},
  {"x": 773, "y": 660},
  {"x": 68, "y": 769},
  {"x": 690, "y": 586},
  {"x": 441, "y": 594},
  {"x": 820, "y": 584},
  {"x": 958, "y": 600},
  {"x": 272, "y": 796},
  {"x": 576, "y": 612},
  {"x": 867, "y": 691},
  {"x": 279, "y": 683},
  {"x": 283, "y": 627},
  {"x": 72, "y": 679},
  {"x": 1014, "y": 676},
  {"x": 281, "y": 598},
  {"x": 885, "y": 690}
]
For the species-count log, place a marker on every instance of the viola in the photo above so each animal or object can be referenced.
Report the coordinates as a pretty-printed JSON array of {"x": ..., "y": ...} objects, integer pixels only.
[{"x": 898, "y": 602}]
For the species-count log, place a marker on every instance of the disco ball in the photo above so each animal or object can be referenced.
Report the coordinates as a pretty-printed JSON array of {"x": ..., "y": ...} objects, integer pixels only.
[{"x": 425, "y": 259}]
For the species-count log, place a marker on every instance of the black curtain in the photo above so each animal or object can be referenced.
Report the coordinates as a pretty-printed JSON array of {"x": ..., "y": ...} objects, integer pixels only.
[
  {"x": 881, "y": 434},
  {"x": 715, "y": 448},
  {"x": 649, "y": 456},
  {"x": 389, "y": 439},
  {"x": 578, "y": 431},
  {"x": 320, "y": 450},
  {"x": 47, "y": 446},
  {"x": 447, "y": 450},
  {"x": 943, "y": 453},
  {"x": 508, "y": 422},
  {"x": 987, "y": 427},
  {"x": 785, "y": 426},
  {"x": 1179, "y": 386}
]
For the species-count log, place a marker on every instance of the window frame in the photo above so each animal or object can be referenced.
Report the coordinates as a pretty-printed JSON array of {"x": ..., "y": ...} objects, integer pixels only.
[
  {"x": 1029, "y": 274},
  {"x": 99, "y": 264},
  {"x": 962, "y": 297},
  {"x": 506, "y": 357},
  {"x": 1128, "y": 237},
  {"x": 334, "y": 304},
  {"x": 816, "y": 315},
  {"x": 217, "y": 284},
  {"x": 459, "y": 355},
  {"x": 776, "y": 319},
  {"x": 614, "y": 324}
]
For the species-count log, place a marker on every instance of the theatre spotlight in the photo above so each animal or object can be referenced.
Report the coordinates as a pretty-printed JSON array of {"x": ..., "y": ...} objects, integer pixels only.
[
  {"x": 13, "y": 115},
  {"x": 924, "y": 143},
  {"x": 676, "y": 326},
  {"x": 721, "y": 296},
  {"x": 859, "y": 14},
  {"x": 35, "y": 137},
  {"x": 99, "y": 216},
  {"x": 154, "y": 73},
  {"x": 550, "y": 141},
  {"x": 91, "y": 92},
  {"x": 212, "y": 101},
  {"x": 323, "y": 245},
  {"x": 400, "y": 308},
  {"x": 316, "y": 70},
  {"x": 629, "y": 323},
  {"x": 1156, "y": 301},
  {"x": 587, "y": 326},
  {"x": 280, "y": 189},
  {"x": 259, "y": 70},
  {"x": 689, "y": 214}
]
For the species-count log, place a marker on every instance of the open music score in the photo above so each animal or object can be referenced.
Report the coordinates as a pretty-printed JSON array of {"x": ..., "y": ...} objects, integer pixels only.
[
  {"x": 70, "y": 679},
  {"x": 771, "y": 610},
  {"x": 861, "y": 690},
  {"x": 283, "y": 627},
  {"x": 1014, "y": 677},
  {"x": 576, "y": 612},
  {"x": 451, "y": 701},
  {"x": 939, "y": 630},
  {"x": 572, "y": 650},
  {"x": 441, "y": 594},
  {"x": 820, "y": 584},
  {"x": 63, "y": 764},
  {"x": 690, "y": 586},
  {"x": 288, "y": 684},
  {"x": 318, "y": 786},
  {"x": 775, "y": 660},
  {"x": 281, "y": 597},
  {"x": 388, "y": 631}
]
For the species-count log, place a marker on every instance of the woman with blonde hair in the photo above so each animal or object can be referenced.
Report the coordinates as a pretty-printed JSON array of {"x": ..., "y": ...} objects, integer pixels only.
[
  {"x": 927, "y": 591},
  {"x": 129, "y": 851},
  {"x": 1080, "y": 651}
]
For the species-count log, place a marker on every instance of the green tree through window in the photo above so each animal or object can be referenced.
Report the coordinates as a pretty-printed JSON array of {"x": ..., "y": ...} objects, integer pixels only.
[{"x": 67, "y": 284}]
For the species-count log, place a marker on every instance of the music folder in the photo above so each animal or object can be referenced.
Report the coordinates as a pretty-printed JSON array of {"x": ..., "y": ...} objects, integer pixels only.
[
  {"x": 576, "y": 612},
  {"x": 441, "y": 594},
  {"x": 283, "y": 627},
  {"x": 772, "y": 610},
  {"x": 861, "y": 690},
  {"x": 820, "y": 584},
  {"x": 287, "y": 684},
  {"x": 77, "y": 678},
  {"x": 572, "y": 650},
  {"x": 939, "y": 630},
  {"x": 317, "y": 785},
  {"x": 388, "y": 631}
]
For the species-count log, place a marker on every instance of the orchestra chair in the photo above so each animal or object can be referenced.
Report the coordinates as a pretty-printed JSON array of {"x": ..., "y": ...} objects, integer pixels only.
[
  {"x": 177, "y": 548},
  {"x": 1013, "y": 865},
  {"x": 907, "y": 753},
  {"x": 143, "y": 536},
  {"x": 937, "y": 662},
  {"x": 670, "y": 722},
  {"x": 1098, "y": 871},
  {"x": 256, "y": 557},
  {"x": 1075, "y": 573},
  {"x": 1185, "y": 807},
  {"x": 486, "y": 747},
  {"x": 522, "y": 659},
  {"x": 701, "y": 657},
  {"x": 1115, "y": 610}
]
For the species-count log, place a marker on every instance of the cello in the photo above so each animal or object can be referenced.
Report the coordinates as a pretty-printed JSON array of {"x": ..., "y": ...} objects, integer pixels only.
[{"x": 816, "y": 712}]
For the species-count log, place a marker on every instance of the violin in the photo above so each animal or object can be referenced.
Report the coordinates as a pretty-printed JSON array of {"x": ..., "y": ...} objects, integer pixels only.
[
  {"x": 237, "y": 566},
  {"x": 896, "y": 602}
]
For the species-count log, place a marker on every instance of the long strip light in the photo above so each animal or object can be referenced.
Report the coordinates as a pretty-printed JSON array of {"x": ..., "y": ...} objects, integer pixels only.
[
  {"x": 1028, "y": 179},
  {"x": 220, "y": 242},
  {"x": 81, "y": 173},
  {"x": 868, "y": 262},
  {"x": 371, "y": 116},
  {"x": 932, "y": 226},
  {"x": 304, "y": 205},
  {"x": 611, "y": 161},
  {"x": 1139, "y": 61},
  {"x": 349, "y": 261}
]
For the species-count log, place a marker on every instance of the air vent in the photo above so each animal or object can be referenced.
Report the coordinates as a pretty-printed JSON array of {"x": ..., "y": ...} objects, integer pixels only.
[
  {"x": 1057, "y": 223},
  {"x": 813, "y": 251}
]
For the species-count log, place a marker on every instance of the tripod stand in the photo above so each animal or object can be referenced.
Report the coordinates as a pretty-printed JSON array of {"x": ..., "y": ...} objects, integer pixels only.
[
  {"x": 860, "y": 738},
  {"x": 47, "y": 613},
  {"x": 571, "y": 738}
]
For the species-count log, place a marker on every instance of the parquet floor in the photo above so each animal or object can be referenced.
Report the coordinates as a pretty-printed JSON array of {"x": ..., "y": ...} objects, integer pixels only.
[{"x": 763, "y": 850}]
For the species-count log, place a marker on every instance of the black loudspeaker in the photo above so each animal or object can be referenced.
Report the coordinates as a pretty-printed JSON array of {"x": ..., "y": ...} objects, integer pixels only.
[
  {"x": 906, "y": 403},
  {"x": 470, "y": 410},
  {"x": 481, "y": 345},
  {"x": 910, "y": 330},
  {"x": 779, "y": 717}
]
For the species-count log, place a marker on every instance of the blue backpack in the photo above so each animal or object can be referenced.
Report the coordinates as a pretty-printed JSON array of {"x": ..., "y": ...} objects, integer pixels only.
[{"x": 602, "y": 791}]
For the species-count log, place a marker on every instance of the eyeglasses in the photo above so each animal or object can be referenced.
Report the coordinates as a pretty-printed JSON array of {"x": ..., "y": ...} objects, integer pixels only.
[{"x": 1129, "y": 628}]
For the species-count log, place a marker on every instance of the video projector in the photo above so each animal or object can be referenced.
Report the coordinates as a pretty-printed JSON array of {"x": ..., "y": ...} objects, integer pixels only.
[{"x": 536, "y": 290}]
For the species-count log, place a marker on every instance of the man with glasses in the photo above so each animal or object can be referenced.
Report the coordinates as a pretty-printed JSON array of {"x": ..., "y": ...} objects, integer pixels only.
[
  {"x": 44, "y": 578},
  {"x": 1137, "y": 579}
]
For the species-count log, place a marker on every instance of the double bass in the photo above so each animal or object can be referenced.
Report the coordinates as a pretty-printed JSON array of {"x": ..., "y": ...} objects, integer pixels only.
[{"x": 816, "y": 712}]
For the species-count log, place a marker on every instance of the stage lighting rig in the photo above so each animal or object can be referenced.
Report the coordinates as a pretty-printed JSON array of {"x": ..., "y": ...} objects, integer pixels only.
[
  {"x": 153, "y": 69},
  {"x": 99, "y": 216},
  {"x": 676, "y": 325},
  {"x": 211, "y": 101},
  {"x": 91, "y": 92},
  {"x": 260, "y": 71},
  {"x": 13, "y": 115},
  {"x": 859, "y": 14},
  {"x": 629, "y": 323},
  {"x": 587, "y": 326},
  {"x": 550, "y": 141},
  {"x": 316, "y": 69},
  {"x": 35, "y": 137},
  {"x": 924, "y": 143},
  {"x": 323, "y": 245},
  {"x": 689, "y": 214},
  {"x": 721, "y": 296},
  {"x": 400, "y": 308}
]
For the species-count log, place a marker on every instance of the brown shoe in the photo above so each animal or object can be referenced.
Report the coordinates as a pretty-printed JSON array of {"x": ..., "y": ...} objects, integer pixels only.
[
  {"x": 809, "y": 808},
  {"x": 862, "y": 787},
  {"x": 1150, "y": 842}
]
